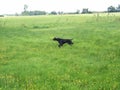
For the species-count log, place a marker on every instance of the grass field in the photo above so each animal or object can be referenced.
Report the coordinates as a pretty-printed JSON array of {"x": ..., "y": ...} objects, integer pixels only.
[{"x": 31, "y": 60}]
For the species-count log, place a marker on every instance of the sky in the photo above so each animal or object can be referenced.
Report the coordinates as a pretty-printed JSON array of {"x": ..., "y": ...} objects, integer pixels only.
[{"x": 17, "y": 6}]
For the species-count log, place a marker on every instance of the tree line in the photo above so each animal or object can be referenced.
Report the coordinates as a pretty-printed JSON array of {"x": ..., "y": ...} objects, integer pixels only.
[
  {"x": 84, "y": 11},
  {"x": 113, "y": 9}
]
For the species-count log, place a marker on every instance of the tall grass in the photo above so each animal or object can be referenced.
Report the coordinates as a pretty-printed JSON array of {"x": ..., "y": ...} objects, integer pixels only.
[{"x": 31, "y": 60}]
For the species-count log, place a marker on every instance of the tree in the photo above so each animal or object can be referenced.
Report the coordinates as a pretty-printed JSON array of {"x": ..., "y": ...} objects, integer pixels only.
[
  {"x": 78, "y": 12},
  {"x": 118, "y": 8},
  {"x": 1, "y": 15},
  {"x": 111, "y": 9},
  {"x": 25, "y": 12},
  {"x": 53, "y": 13},
  {"x": 60, "y": 12},
  {"x": 25, "y": 7},
  {"x": 37, "y": 13},
  {"x": 85, "y": 10}
]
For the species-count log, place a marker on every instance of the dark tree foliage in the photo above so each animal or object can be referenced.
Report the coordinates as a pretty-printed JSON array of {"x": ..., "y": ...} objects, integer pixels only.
[
  {"x": 53, "y": 13},
  {"x": 31, "y": 13},
  {"x": 111, "y": 9}
]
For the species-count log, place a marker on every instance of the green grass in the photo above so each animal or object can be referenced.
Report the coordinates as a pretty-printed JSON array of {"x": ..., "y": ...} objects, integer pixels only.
[{"x": 31, "y": 60}]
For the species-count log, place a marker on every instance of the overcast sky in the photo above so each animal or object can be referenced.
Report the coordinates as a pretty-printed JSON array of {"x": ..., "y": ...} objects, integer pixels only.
[{"x": 17, "y": 6}]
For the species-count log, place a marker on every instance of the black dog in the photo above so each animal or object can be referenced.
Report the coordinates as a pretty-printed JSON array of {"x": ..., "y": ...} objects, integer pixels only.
[{"x": 63, "y": 41}]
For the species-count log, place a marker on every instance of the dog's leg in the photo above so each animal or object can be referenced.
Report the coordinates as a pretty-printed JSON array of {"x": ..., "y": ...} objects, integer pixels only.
[{"x": 60, "y": 45}]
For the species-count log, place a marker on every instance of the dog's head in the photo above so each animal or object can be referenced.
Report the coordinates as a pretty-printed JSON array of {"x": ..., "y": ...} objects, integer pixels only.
[{"x": 55, "y": 38}]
